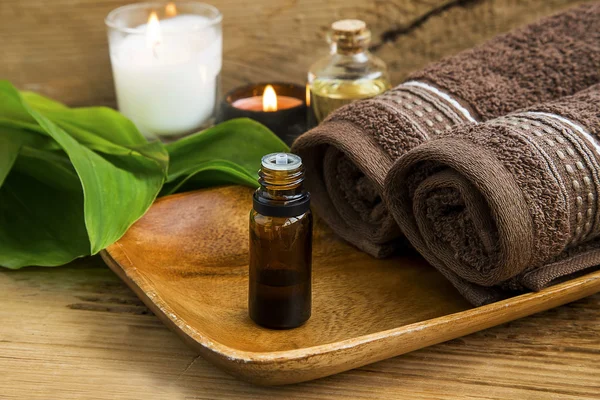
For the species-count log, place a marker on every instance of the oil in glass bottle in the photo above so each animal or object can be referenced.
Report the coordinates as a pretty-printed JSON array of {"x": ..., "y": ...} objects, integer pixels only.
[
  {"x": 280, "y": 245},
  {"x": 349, "y": 73}
]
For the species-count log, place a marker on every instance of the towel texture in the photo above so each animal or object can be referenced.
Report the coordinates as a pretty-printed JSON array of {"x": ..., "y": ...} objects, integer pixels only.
[
  {"x": 348, "y": 156},
  {"x": 507, "y": 205}
]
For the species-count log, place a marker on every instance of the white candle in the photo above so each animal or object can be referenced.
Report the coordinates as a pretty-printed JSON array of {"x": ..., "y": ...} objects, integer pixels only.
[{"x": 166, "y": 75}]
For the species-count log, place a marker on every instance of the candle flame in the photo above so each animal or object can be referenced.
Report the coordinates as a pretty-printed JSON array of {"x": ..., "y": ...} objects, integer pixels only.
[
  {"x": 308, "y": 95},
  {"x": 153, "y": 36},
  {"x": 269, "y": 99},
  {"x": 170, "y": 9}
]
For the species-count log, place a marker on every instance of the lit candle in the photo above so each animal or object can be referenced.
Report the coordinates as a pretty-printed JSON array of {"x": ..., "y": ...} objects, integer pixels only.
[
  {"x": 279, "y": 106},
  {"x": 166, "y": 71},
  {"x": 268, "y": 102}
]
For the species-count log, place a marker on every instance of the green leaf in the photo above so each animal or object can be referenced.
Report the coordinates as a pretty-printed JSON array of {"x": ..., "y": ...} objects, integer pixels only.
[
  {"x": 11, "y": 108},
  {"x": 226, "y": 153},
  {"x": 210, "y": 173},
  {"x": 99, "y": 128},
  {"x": 12, "y": 140},
  {"x": 72, "y": 181},
  {"x": 10, "y": 145},
  {"x": 41, "y": 223},
  {"x": 103, "y": 177}
]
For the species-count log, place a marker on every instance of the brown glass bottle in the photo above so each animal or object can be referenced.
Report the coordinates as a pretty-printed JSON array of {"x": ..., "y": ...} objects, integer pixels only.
[{"x": 280, "y": 245}]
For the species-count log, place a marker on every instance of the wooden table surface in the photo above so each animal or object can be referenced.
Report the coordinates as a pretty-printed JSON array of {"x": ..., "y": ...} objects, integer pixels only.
[{"x": 78, "y": 332}]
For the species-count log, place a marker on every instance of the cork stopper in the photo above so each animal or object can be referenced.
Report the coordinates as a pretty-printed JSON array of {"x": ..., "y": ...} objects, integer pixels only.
[
  {"x": 350, "y": 35},
  {"x": 348, "y": 26}
]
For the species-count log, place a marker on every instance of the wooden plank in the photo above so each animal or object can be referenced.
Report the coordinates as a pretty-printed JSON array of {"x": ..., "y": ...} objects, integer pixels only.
[
  {"x": 78, "y": 332},
  {"x": 59, "y": 48}
]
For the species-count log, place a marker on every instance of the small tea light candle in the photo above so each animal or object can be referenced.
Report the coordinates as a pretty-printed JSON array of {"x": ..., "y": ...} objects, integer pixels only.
[
  {"x": 166, "y": 60},
  {"x": 268, "y": 102},
  {"x": 279, "y": 106}
]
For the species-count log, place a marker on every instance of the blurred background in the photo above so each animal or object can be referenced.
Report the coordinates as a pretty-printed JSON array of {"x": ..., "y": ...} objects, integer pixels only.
[{"x": 59, "y": 48}]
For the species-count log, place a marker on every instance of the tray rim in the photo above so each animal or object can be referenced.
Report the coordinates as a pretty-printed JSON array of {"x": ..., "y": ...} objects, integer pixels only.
[
  {"x": 545, "y": 299},
  {"x": 320, "y": 360}
]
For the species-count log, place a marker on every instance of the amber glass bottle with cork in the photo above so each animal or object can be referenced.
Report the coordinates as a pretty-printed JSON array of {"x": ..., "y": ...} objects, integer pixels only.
[
  {"x": 280, "y": 245},
  {"x": 349, "y": 73}
]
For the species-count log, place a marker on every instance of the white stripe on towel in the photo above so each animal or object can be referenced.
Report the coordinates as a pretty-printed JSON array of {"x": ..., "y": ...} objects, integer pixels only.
[
  {"x": 444, "y": 96},
  {"x": 573, "y": 125}
]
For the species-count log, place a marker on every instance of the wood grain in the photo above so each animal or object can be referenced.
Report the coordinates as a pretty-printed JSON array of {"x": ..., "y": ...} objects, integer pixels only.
[
  {"x": 78, "y": 332},
  {"x": 59, "y": 48},
  {"x": 188, "y": 261}
]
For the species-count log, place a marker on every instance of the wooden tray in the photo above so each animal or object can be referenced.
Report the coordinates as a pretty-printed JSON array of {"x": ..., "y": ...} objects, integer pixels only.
[{"x": 187, "y": 260}]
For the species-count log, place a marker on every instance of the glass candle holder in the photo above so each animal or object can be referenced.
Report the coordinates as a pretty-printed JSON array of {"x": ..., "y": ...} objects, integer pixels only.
[{"x": 166, "y": 60}]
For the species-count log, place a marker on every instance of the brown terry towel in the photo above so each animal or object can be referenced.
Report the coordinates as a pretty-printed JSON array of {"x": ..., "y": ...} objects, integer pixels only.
[
  {"x": 348, "y": 156},
  {"x": 507, "y": 205}
]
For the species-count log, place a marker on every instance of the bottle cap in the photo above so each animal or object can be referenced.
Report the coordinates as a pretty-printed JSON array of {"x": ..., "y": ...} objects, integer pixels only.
[
  {"x": 281, "y": 158},
  {"x": 281, "y": 161},
  {"x": 293, "y": 174},
  {"x": 289, "y": 209}
]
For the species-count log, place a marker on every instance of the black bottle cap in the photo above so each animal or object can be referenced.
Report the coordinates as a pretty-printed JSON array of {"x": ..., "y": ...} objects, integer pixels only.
[{"x": 292, "y": 208}]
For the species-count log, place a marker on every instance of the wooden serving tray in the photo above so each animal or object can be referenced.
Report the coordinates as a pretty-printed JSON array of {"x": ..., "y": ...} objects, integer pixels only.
[{"x": 187, "y": 260}]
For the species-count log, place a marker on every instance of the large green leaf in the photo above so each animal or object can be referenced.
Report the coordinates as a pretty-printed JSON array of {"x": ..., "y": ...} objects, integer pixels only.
[
  {"x": 224, "y": 154},
  {"x": 118, "y": 176},
  {"x": 10, "y": 145},
  {"x": 41, "y": 223},
  {"x": 72, "y": 181},
  {"x": 115, "y": 135}
]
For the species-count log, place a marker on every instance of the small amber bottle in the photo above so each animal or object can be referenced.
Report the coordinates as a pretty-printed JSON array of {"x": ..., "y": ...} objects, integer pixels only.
[{"x": 280, "y": 245}]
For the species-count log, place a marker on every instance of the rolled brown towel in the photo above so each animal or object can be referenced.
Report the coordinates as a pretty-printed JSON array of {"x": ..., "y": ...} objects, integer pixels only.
[
  {"x": 507, "y": 205},
  {"x": 348, "y": 156}
]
